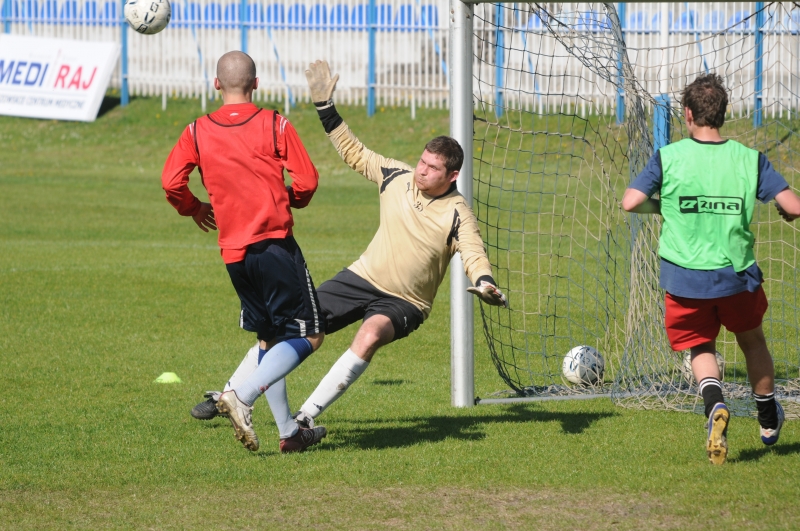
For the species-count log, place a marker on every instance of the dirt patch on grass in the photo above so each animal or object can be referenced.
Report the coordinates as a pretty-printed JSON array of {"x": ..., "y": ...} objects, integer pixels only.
[
  {"x": 514, "y": 508},
  {"x": 340, "y": 508}
]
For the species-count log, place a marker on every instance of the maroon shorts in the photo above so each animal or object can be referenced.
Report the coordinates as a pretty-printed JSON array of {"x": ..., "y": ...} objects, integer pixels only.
[{"x": 692, "y": 322}]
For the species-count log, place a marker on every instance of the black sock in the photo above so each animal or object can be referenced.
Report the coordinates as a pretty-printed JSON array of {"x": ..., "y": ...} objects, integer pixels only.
[
  {"x": 767, "y": 410},
  {"x": 711, "y": 390}
]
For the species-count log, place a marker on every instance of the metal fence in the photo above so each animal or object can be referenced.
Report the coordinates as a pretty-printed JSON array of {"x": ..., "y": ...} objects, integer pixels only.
[
  {"x": 393, "y": 50},
  {"x": 755, "y": 47}
]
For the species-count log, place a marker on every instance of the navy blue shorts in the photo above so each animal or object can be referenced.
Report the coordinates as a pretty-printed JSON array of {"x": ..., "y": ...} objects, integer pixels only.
[
  {"x": 277, "y": 294},
  {"x": 347, "y": 298}
]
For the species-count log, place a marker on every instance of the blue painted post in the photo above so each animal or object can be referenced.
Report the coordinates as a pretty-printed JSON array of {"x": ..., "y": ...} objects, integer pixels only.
[
  {"x": 7, "y": 16},
  {"x": 243, "y": 19},
  {"x": 661, "y": 122},
  {"x": 372, "y": 20},
  {"x": 499, "y": 56},
  {"x": 759, "y": 81},
  {"x": 620, "y": 89},
  {"x": 124, "y": 96}
]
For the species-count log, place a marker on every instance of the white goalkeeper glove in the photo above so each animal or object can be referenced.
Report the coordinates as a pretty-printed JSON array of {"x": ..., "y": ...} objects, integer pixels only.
[
  {"x": 320, "y": 83},
  {"x": 489, "y": 294}
]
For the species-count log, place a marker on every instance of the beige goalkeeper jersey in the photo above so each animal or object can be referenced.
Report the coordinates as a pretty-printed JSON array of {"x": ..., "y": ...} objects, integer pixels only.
[{"x": 418, "y": 234}]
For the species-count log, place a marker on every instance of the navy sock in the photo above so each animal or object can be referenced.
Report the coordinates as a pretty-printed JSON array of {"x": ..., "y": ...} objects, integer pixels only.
[
  {"x": 767, "y": 410},
  {"x": 300, "y": 344},
  {"x": 711, "y": 391}
]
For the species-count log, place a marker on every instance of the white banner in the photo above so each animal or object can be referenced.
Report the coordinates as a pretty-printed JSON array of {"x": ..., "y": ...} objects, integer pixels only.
[{"x": 54, "y": 78}]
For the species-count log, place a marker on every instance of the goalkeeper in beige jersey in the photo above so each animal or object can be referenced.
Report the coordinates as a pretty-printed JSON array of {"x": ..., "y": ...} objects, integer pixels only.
[{"x": 424, "y": 221}]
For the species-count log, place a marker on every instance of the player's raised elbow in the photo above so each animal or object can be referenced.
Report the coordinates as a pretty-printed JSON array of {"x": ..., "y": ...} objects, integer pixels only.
[
  {"x": 632, "y": 199},
  {"x": 789, "y": 202}
]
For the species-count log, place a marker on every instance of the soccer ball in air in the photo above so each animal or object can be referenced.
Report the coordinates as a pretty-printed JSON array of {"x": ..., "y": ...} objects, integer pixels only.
[
  {"x": 686, "y": 368},
  {"x": 148, "y": 16},
  {"x": 583, "y": 365}
]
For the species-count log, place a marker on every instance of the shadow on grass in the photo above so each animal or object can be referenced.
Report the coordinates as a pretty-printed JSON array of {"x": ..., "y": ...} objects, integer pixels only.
[
  {"x": 109, "y": 103},
  {"x": 390, "y": 382},
  {"x": 414, "y": 430},
  {"x": 755, "y": 454}
]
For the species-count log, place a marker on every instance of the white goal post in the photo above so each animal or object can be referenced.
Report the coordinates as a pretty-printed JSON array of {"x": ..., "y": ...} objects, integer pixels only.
[{"x": 462, "y": 326}]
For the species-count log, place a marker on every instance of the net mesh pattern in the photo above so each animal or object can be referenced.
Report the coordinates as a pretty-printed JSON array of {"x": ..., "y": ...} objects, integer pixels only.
[{"x": 565, "y": 102}]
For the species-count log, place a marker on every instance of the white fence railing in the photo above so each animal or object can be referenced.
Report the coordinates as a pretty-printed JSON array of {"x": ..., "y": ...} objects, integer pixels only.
[{"x": 411, "y": 43}]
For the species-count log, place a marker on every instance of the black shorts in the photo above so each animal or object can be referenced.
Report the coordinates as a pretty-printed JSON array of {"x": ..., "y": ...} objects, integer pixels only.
[
  {"x": 276, "y": 290},
  {"x": 347, "y": 298}
]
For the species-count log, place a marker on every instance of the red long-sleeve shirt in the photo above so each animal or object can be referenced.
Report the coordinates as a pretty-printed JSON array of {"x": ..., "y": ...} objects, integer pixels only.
[{"x": 241, "y": 152}]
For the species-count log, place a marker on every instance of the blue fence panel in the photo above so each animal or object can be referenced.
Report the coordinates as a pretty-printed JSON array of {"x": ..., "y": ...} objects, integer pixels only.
[
  {"x": 216, "y": 15},
  {"x": 593, "y": 21},
  {"x": 275, "y": 16},
  {"x": 340, "y": 17},
  {"x": 360, "y": 19},
  {"x": 687, "y": 21},
  {"x": 89, "y": 13},
  {"x": 655, "y": 25},
  {"x": 185, "y": 14},
  {"x": 429, "y": 16},
  {"x": 318, "y": 16},
  {"x": 714, "y": 21},
  {"x": 194, "y": 14},
  {"x": 639, "y": 21},
  {"x": 255, "y": 15},
  {"x": 231, "y": 15},
  {"x": 535, "y": 23},
  {"x": 176, "y": 19},
  {"x": 404, "y": 18},
  {"x": 384, "y": 17},
  {"x": 793, "y": 22},
  {"x": 108, "y": 15},
  {"x": 49, "y": 12},
  {"x": 69, "y": 12},
  {"x": 30, "y": 10},
  {"x": 212, "y": 15},
  {"x": 297, "y": 16},
  {"x": 14, "y": 11},
  {"x": 740, "y": 20}
]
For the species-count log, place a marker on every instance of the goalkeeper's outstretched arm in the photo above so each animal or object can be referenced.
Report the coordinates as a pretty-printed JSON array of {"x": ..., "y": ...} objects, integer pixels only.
[
  {"x": 466, "y": 239},
  {"x": 354, "y": 153},
  {"x": 322, "y": 86}
]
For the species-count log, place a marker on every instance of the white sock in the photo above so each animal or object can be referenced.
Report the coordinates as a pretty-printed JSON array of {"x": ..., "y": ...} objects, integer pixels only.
[
  {"x": 279, "y": 404},
  {"x": 344, "y": 372},
  {"x": 245, "y": 369}
]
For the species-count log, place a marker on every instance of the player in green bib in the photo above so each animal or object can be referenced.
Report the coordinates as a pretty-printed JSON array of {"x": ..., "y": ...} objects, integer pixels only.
[{"x": 707, "y": 190}]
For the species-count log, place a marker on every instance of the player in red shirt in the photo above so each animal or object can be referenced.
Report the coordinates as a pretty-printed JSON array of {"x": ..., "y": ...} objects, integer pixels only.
[{"x": 241, "y": 152}]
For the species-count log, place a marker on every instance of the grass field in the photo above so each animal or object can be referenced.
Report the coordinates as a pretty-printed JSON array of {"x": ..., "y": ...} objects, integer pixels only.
[{"x": 103, "y": 287}]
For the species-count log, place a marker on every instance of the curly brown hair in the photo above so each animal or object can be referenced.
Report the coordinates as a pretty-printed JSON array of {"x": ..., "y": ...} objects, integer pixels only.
[
  {"x": 707, "y": 98},
  {"x": 449, "y": 149}
]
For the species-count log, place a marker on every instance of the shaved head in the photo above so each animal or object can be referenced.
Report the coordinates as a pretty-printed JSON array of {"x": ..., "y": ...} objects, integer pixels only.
[{"x": 236, "y": 72}]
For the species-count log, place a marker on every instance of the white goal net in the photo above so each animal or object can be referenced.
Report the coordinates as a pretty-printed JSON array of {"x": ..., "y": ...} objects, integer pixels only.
[{"x": 570, "y": 101}]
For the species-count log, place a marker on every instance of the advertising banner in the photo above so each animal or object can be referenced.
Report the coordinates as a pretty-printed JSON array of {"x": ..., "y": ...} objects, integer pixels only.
[{"x": 54, "y": 78}]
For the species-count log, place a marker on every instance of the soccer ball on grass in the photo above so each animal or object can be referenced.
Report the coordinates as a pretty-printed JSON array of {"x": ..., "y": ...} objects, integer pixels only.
[
  {"x": 583, "y": 365},
  {"x": 148, "y": 16}
]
